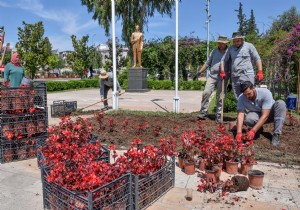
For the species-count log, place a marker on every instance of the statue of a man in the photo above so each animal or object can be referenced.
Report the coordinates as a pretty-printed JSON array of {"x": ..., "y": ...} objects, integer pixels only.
[{"x": 137, "y": 41}]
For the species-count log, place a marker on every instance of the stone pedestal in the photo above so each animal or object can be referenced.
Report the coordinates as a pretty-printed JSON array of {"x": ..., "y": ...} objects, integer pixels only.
[{"x": 137, "y": 80}]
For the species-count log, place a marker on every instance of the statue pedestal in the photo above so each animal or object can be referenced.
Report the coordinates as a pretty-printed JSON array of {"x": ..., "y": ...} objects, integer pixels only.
[{"x": 137, "y": 80}]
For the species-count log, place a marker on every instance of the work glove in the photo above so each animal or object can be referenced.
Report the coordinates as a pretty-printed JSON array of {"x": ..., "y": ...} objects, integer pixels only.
[
  {"x": 222, "y": 74},
  {"x": 196, "y": 76},
  {"x": 260, "y": 75},
  {"x": 251, "y": 134},
  {"x": 238, "y": 136},
  {"x": 229, "y": 88}
]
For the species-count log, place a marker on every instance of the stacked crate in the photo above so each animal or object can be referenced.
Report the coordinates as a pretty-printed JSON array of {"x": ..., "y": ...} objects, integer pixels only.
[{"x": 23, "y": 121}]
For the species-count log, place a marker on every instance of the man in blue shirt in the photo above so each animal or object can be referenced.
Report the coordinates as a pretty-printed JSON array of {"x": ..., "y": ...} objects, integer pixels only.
[{"x": 256, "y": 107}]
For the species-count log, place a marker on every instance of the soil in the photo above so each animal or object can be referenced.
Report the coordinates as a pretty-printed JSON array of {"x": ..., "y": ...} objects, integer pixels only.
[{"x": 158, "y": 125}]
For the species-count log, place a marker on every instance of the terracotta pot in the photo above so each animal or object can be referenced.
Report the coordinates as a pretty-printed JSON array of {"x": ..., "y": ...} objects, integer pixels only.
[
  {"x": 180, "y": 163},
  {"x": 189, "y": 167},
  {"x": 232, "y": 167},
  {"x": 202, "y": 164},
  {"x": 256, "y": 179},
  {"x": 218, "y": 167},
  {"x": 246, "y": 167},
  {"x": 211, "y": 175}
]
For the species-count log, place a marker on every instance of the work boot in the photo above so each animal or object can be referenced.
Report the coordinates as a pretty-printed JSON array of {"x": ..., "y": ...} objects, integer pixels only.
[
  {"x": 276, "y": 139},
  {"x": 257, "y": 134},
  {"x": 201, "y": 117}
]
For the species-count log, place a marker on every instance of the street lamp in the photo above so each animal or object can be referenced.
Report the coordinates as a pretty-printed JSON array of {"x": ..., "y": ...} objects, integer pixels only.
[
  {"x": 176, "y": 99},
  {"x": 207, "y": 25}
]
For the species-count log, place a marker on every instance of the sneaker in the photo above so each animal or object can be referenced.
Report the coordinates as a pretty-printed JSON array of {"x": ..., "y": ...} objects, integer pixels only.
[{"x": 276, "y": 139}]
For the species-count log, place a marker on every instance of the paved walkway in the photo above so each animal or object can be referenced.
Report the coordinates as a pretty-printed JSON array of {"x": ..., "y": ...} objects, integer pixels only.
[{"x": 21, "y": 188}]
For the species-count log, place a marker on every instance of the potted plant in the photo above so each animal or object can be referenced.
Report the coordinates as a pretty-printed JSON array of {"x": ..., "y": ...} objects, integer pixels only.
[
  {"x": 247, "y": 158},
  {"x": 189, "y": 148},
  {"x": 232, "y": 153}
]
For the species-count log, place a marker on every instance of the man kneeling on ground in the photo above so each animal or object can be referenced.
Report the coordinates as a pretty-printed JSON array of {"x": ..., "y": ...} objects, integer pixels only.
[{"x": 256, "y": 107}]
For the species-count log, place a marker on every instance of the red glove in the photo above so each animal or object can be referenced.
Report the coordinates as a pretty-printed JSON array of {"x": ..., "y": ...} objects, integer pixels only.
[
  {"x": 260, "y": 75},
  {"x": 222, "y": 74},
  {"x": 251, "y": 134},
  {"x": 238, "y": 136}
]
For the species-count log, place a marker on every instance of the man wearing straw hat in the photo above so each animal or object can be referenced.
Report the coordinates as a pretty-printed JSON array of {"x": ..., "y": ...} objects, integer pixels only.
[
  {"x": 214, "y": 79},
  {"x": 241, "y": 55},
  {"x": 106, "y": 82}
]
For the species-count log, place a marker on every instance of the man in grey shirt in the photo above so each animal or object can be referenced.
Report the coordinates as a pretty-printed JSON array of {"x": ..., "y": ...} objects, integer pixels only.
[
  {"x": 256, "y": 107},
  {"x": 242, "y": 54},
  {"x": 214, "y": 79}
]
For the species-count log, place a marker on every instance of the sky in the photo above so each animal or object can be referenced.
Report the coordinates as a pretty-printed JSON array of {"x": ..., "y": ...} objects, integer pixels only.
[{"x": 62, "y": 18}]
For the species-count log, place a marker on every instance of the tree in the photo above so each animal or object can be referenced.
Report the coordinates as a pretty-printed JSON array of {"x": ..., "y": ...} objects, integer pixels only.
[
  {"x": 32, "y": 47},
  {"x": 131, "y": 12},
  {"x": 286, "y": 21},
  {"x": 81, "y": 57},
  {"x": 251, "y": 27},
  {"x": 121, "y": 61},
  {"x": 242, "y": 19},
  {"x": 53, "y": 61}
]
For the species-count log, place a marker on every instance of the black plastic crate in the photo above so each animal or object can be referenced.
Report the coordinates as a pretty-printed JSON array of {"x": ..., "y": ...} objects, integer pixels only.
[
  {"x": 23, "y": 98},
  {"x": 18, "y": 150},
  {"x": 23, "y": 125},
  {"x": 63, "y": 108},
  {"x": 114, "y": 195},
  {"x": 148, "y": 189}
]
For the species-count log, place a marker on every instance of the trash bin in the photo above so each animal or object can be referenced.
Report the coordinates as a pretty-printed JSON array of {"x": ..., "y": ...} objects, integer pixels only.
[{"x": 291, "y": 101}]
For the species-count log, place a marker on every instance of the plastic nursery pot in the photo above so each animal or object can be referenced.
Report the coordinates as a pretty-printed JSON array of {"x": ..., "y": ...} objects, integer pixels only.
[
  {"x": 189, "y": 167},
  {"x": 232, "y": 167},
  {"x": 245, "y": 167},
  {"x": 202, "y": 164},
  {"x": 211, "y": 175},
  {"x": 218, "y": 167},
  {"x": 180, "y": 163},
  {"x": 256, "y": 179}
]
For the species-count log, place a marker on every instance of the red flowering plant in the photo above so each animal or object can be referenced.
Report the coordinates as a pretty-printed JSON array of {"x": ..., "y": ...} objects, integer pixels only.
[
  {"x": 247, "y": 154},
  {"x": 148, "y": 159},
  {"x": 190, "y": 145},
  {"x": 232, "y": 148}
]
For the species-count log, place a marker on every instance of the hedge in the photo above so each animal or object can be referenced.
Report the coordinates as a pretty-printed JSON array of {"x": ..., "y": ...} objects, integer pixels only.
[{"x": 152, "y": 84}]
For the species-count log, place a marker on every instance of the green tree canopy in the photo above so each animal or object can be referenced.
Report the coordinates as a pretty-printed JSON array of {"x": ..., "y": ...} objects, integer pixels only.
[
  {"x": 33, "y": 48},
  {"x": 286, "y": 21},
  {"x": 131, "y": 12},
  {"x": 81, "y": 57}
]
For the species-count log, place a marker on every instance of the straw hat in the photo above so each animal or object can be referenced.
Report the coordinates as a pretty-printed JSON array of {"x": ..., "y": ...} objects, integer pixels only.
[
  {"x": 103, "y": 74},
  {"x": 237, "y": 35},
  {"x": 222, "y": 39}
]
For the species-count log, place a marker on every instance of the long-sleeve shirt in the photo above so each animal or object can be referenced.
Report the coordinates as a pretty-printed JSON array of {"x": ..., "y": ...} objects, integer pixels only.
[
  {"x": 214, "y": 62},
  {"x": 109, "y": 82},
  {"x": 241, "y": 59},
  {"x": 13, "y": 73}
]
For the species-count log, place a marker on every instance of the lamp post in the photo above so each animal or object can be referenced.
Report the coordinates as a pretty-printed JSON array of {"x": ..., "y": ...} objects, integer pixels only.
[
  {"x": 94, "y": 54},
  {"x": 115, "y": 94},
  {"x": 207, "y": 25},
  {"x": 176, "y": 99}
]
